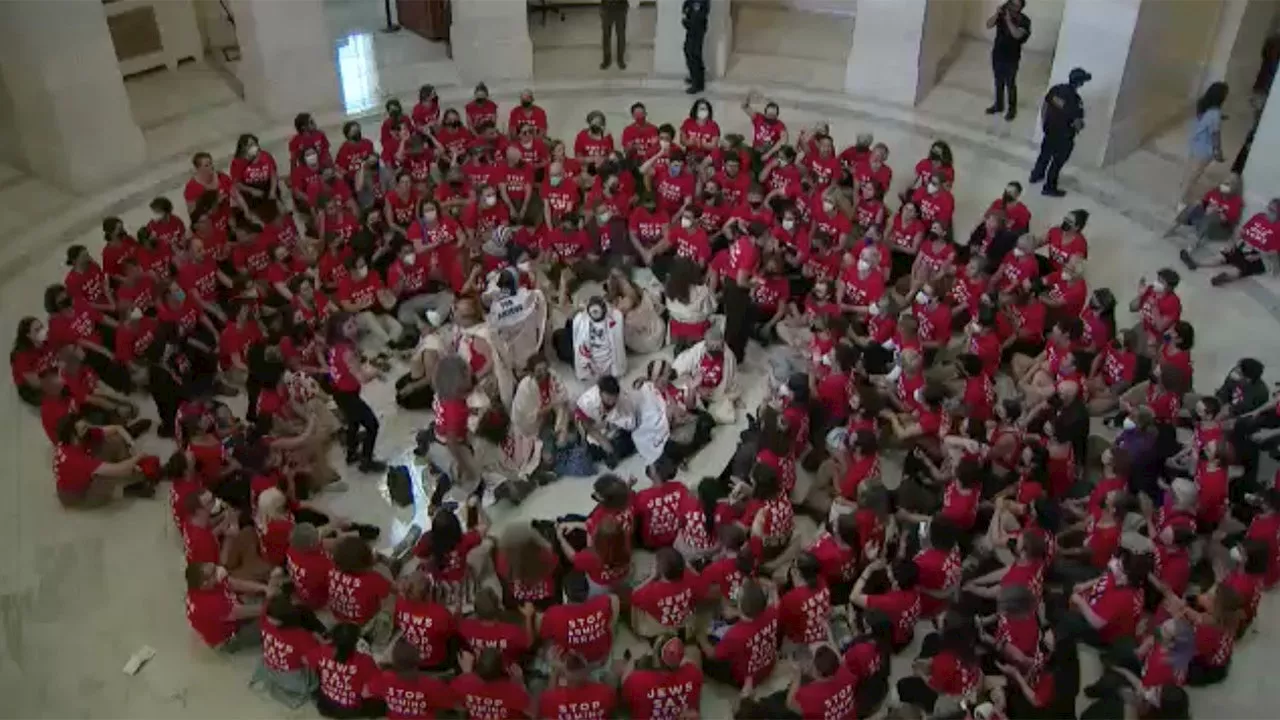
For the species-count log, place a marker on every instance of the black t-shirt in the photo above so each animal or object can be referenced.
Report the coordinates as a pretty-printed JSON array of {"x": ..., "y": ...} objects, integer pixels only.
[
  {"x": 1007, "y": 46},
  {"x": 1062, "y": 107}
]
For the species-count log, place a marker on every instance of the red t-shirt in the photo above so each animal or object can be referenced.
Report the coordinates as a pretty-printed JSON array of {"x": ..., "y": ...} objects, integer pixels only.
[
  {"x": 284, "y": 649},
  {"x": 950, "y": 676},
  {"x": 413, "y": 697},
  {"x": 343, "y": 683},
  {"x": 658, "y": 509},
  {"x": 589, "y": 701},
  {"x": 805, "y": 614},
  {"x": 833, "y": 698},
  {"x": 521, "y": 591},
  {"x": 494, "y": 700},
  {"x": 939, "y": 570},
  {"x": 839, "y": 562},
  {"x": 508, "y": 638},
  {"x": 1261, "y": 234},
  {"x": 309, "y": 572},
  {"x": 662, "y": 695},
  {"x": 73, "y": 469},
  {"x": 585, "y": 628},
  {"x": 1120, "y": 607},
  {"x": 669, "y": 602},
  {"x": 903, "y": 608},
  {"x": 209, "y": 613},
  {"x": 427, "y": 626},
  {"x": 751, "y": 647},
  {"x": 356, "y": 598}
]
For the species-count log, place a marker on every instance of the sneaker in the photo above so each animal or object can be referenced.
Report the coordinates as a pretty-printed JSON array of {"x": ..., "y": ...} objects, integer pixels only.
[
  {"x": 1053, "y": 192},
  {"x": 369, "y": 465},
  {"x": 695, "y": 89},
  {"x": 138, "y": 428},
  {"x": 1009, "y": 116},
  {"x": 1185, "y": 256},
  {"x": 994, "y": 109},
  {"x": 1034, "y": 179},
  {"x": 140, "y": 490},
  {"x": 606, "y": 64},
  {"x": 622, "y": 65}
]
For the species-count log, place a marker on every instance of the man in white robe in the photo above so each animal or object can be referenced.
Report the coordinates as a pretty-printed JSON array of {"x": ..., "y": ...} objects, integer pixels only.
[
  {"x": 599, "y": 348},
  {"x": 711, "y": 373}
]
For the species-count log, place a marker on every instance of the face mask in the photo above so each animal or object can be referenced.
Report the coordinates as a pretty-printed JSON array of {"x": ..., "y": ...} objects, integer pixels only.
[
  {"x": 821, "y": 292},
  {"x": 675, "y": 170},
  {"x": 874, "y": 311},
  {"x": 1007, "y": 197},
  {"x": 935, "y": 154},
  {"x": 1159, "y": 286},
  {"x": 918, "y": 395},
  {"x": 597, "y": 128},
  {"x": 251, "y": 151},
  {"x": 410, "y": 259},
  {"x": 788, "y": 225},
  {"x": 1115, "y": 566},
  {"x": 922, "y": 298},
  {"x": 556, "y": 180},
  {"x": 360, "y": 273},
  {"x": 863, "y": 266},
  {"x": 603, "y": 218},
  {"x": 828, "y": 206},
  {"x": 135, "y": 314},
  {"x": 1019, "y": 252},
  {"x": 490, "y": 201},
  {"x": 1225, "y": 189},
  {"x": 932, "y": 188},
  {"x": 430, "y": 216},
  {"x": 452, "y": 122},
  {"x": 703, "y": 113},
  {"x": 1067, "y": 226},
  {"x": 596, "y": 313},
  {"x": 1067, "y": 276},
  {"x": 311, "y": 160},
  {"x": 664, "y": 143},
  {"x": 41, "y": 335},
  {"x": 355, "y": 136},
  {"x": 526, "y": 104},
  {"x": 1129, "y": 424},
  {"x": 525, "y": 266},
  {"x": 180, "y": 295},
  {"x": 686, "y": 223}
]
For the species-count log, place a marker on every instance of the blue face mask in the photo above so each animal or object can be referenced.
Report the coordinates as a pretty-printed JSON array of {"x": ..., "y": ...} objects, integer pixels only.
[
  {"x": 180, "y": 295},
  {"x": 675, "y": 170}
]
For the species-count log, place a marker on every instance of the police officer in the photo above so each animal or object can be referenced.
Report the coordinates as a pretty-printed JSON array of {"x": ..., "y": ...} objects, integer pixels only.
[
  {"x": 613, "y": 20},
  {"x": 696, "y": 13},
  {"x": 1061, "y": 116}
]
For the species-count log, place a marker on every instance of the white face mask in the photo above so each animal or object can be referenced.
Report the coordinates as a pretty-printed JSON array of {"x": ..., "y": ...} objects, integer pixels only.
[
  {"x": 430, "y": 216},
  {"x": 311, "y": 160},
  {"x": 1115, "y": 566},
  {"x": 525, "y": 266},
  {"x": 251, "y": 151},
  {"x": 922, "y": 298},
  {"x": 788, "y": 225},
  {"x": 158, "y": 217},
  {"x": 686, "y": 223},
  {"x": 1225, "y": 189},
  {"x": 828, "y": 206},
  {"x": 664, "y": 143},
  {"x": 409, "y": 259},
  {"x": 874, "y": 311},
  {"x": 135, "y": 314},
  {"x": 918, "y": 395},
  {"x": 1068, "y": 276},
  {"x": 933, "y": 188},
  {"x": 703, "y": 113},
  {"x": 360, "y": 273},
  {"x": 603, "y": 218},
  {"x": 41, "y": 335},
  {"x": 490, "y": 200},
  {"x": 1159, "y": 286},
  {"x": 1019, "y": 252},
  {"x": 974, "y": 328},
  {"x": 863, "y": 266},
  {"x": 1129, "y": 424}
]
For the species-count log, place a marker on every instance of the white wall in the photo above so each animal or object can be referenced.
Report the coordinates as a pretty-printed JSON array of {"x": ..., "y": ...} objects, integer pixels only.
[
  {"x": 846, "y": 8},
  {"x": 1171, "y": 48},
  {"x": 1046, "y": 19},
  {"x": 884, "y": 63},
  {"x": 1243, "y": 27},
  {"x": 943, "y": 20}
]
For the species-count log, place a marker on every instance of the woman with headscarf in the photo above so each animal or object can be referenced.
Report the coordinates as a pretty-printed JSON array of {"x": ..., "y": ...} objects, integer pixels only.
[
  {"x": 711, "y": 373},
  {"x": 593, "y": 342}
]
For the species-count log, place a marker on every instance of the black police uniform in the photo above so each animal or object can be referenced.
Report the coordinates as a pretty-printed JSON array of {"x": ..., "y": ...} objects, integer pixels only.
[
  {"x": 1062, "y": 109},
  {"x": 613, "y": 21},
  {"x": 696, "y": 13},
  {"x": 1006, "y": 54}
]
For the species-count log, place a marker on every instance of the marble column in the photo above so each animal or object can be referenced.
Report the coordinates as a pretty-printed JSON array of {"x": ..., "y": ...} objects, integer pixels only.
[
  {"x": 287, "y": 57},
  {"x": 491, "y": 40},
  {"x": 899, "y": 47},
  {"x": 67, "y": 102},
  {"x": 668, "y": 43},
  {"x": 1148, "y": 59},
  {"x": 1262, "y": 172}
]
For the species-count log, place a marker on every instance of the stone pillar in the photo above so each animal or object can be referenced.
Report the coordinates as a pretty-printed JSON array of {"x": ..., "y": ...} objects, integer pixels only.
[
  {"x": 287, "y": 58},
  {"x": 67, "y": 102},
  {"x": 491, "y": 40},
  {"x": 668, "y": 42},
  {"x": 1262, "y": 172},
  {"x": 899, "y": 47},
  {"x": 1148, "y": 59}
]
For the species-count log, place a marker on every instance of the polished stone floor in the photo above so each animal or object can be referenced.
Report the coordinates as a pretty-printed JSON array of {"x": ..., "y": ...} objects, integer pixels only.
[{"x": 80, "y": 592}]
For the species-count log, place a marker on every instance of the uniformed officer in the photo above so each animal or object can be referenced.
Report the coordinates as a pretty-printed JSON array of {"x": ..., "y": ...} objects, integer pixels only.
[
  {"x": 1061, "y": 116},
  {"x": 695, "y": 32}
]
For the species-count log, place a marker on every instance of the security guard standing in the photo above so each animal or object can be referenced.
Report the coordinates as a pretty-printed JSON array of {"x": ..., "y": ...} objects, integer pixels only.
[
  {"x": 1061, "y": 117},
  {"x": 696, "y": 13},
  {"x": 613, "y": 21}
]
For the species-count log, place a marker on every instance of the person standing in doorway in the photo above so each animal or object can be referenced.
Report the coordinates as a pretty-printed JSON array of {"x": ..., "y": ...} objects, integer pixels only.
[
  {"x": 1205, "y": 145},
  {"x": 1013, "y": 28},
  {"x": 613, "y": 21},
  {"x": 1061, "y": 117},
  {"x": 696, "y": 13}
]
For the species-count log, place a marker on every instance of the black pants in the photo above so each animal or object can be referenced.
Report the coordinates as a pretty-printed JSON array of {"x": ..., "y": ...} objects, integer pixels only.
[
  {"x": 357, "y": 414},
  {"x": 1055, "y": 150},
  {"x": 1005, "y": 71},
  {"x": 168, "y": 394},
  {"x": 1249, "y": 451},
  {"x": 613, "y": 21},
  {"x": 111, "y": 372},
  {"x": 694, "y": 35},
  {"x": 737, "y": 320}
]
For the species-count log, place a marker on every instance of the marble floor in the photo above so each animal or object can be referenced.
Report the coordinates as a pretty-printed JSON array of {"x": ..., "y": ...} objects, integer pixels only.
[{"x": 79, "y": 592}]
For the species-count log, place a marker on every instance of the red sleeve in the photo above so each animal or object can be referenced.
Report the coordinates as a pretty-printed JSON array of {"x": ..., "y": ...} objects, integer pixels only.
[{"x": 731, "y": 644}]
